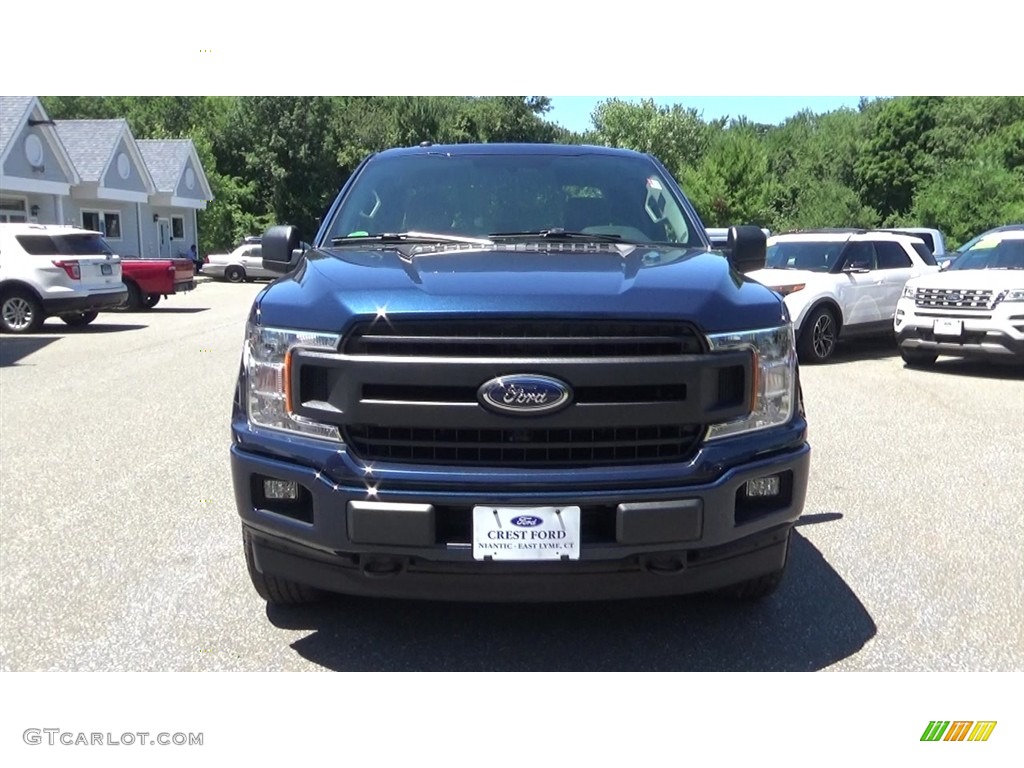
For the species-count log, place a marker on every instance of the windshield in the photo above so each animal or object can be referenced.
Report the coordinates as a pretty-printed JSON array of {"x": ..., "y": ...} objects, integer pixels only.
[
  {"x": 992, "y": 253},
  {"x": 83, "y": 244},
  {"x": 811, "y": 255},
  {"x": 478, "y": 196},
  {"x": 977, "y": 238}
]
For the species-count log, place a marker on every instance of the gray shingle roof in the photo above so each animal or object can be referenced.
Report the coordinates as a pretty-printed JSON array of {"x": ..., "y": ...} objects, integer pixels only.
[
  {"x": 12, "y": 109},
  {"x": 165, "y": 159},
  {"x": 90, "y": 143}
]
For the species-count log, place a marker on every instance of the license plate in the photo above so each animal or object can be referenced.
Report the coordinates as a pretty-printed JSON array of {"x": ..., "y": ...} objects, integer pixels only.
[
  {"x": 106, "y": 269},
  {"x": 526, "y": 533},
  {"x": 944, "y": 327}
]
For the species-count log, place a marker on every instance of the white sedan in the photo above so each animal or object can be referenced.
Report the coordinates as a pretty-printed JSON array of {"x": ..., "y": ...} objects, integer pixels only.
[{"x": 243, "y": 263}]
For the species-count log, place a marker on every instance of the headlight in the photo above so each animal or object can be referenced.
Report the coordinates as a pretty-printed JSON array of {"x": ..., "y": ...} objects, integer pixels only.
[
  {"x": 909, "y": 293},
  {"x": 775, "y": 378},
  {"x": 266, "y": 358},
  {"x": 785, "y": 290},
  {"x": 1016, "y": 294}
]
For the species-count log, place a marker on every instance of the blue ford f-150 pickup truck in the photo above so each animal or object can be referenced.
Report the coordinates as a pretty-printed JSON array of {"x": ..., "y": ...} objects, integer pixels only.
[{"x": 516, "y": 373}]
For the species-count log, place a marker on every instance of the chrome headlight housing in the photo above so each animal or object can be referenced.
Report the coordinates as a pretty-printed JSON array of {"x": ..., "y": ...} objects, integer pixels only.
[
  {"x": 774, "y": 385},
  {"x": 1014, "y": 294},
  {"x": 909, "y": 293},
  {"x": 267, "y": 361}
]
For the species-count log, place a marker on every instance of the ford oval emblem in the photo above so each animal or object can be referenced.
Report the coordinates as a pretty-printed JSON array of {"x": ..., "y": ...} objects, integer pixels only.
[
  {"x": 524, "y": 394},
  {"x": 526, "y": 521}
]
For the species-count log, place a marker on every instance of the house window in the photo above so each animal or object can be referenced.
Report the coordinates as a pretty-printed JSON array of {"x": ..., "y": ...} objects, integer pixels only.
[
  {"x": 13, "y": 210},
  {"x": 108, "y": 223},
  {"x": 112, "y": 225},
  {"x": 178, "y": 227}
]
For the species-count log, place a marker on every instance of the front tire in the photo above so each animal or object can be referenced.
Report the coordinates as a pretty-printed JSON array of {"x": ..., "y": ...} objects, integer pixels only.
[
  {"x": 133, "y": 301},
  {"x": 80, "y": 319},
  {"x": 761, "y": 587},
  {"x": 274, "y": 589},
  {"x": 916, "y": 358},
  {"x": 818, "y": 338},
  {"x": 20, "y": 312}
]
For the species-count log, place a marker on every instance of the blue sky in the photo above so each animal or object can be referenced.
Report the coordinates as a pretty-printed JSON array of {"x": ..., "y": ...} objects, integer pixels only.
[{"x": 573, "y": 112}]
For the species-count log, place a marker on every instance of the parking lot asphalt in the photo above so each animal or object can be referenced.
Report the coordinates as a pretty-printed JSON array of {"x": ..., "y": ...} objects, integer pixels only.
[{"x": 121, "y": 547}]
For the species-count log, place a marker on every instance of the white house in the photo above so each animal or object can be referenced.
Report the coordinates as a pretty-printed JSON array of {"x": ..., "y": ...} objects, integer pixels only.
[
  {"x": 143, "y": 195},
  {"x": 36, "y": 173}
]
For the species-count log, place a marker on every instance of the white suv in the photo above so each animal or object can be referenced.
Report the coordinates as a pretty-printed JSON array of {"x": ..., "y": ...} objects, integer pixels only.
[
  {"x": 973, "y": 309},
  {"x": 841, "y": 283},
  {"x": 54, "y": 270}
]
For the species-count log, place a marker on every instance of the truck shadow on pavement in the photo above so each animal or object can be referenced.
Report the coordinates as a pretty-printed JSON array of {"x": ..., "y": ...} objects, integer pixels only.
[
  {"x": 811, "y": 622},
  {"x": 14, "y": 349}
]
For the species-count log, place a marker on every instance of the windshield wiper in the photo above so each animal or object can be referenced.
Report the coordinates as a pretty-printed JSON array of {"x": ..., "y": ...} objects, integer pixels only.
[
  {"x": 556, "y": 233},
  {"x": 408, "y": 237}
]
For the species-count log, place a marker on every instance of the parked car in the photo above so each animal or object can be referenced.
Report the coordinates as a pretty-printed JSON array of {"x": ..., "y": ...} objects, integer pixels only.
[
  {"x": 516, "y": 372},
  {"x": 147, "y": 280},
  {"x": 55, "y": 271},
  {"x": 841, "y": 283},
  {"x": 973, "y": 309},
  {"x": 953, "y": 255},
  {"x": 245, "y": 262},
  {"x": 933, "y": 238}
]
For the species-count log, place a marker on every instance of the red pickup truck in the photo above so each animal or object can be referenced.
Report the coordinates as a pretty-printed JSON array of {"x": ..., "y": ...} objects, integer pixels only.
[{"x": 149, "y": 279}]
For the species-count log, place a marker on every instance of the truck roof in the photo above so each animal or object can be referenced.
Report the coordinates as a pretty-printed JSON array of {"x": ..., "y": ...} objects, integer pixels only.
[{"x": 510, "y": 149}]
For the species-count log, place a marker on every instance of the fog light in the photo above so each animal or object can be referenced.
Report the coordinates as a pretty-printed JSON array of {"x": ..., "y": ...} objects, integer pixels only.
[
  {"x": 760, "y": 487},
  {"x": 281, "y": 489}
]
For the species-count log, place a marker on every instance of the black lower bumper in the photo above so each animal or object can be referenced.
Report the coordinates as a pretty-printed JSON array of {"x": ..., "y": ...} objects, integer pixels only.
[
  {"x": 89, "y": 303},
  {"x": 975, "y": 345},
  {"x": 651, "y": 575}
]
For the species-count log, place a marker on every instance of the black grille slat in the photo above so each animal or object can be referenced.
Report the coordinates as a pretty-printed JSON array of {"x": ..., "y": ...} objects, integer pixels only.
[
  {"x": 548, "y": 338},
  {"x": 523, "y": 447}
]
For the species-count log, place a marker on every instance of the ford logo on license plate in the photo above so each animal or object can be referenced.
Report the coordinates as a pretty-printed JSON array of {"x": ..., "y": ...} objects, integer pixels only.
[{"x": 524, "y": 394}]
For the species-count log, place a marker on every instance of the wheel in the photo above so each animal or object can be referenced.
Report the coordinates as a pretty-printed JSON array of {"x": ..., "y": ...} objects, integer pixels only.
[
  {"x": 817, "y": 340},
  {"x": 151, "y": 300},
  {"x": 234, "y": 274},
  {"x": 80, "y": 318},
  {"x": 760, "y": 586},
  {"x": 133, "y": 301},
  {"x": 274, "y": 589},
  {"x": 916, "y": 358},
  {"x": 20, "y": 312}
]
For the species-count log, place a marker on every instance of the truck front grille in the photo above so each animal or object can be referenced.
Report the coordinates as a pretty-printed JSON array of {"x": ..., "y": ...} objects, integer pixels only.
[
  {"x": 405, "y": 391},
  {"x": 524, "y": 447},
  {"x": 952, "y": 298}
]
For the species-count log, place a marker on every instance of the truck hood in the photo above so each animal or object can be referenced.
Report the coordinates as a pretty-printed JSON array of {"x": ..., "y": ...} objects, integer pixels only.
[
  {"x": 971, "y": 279},
  {"x": 333, "y": 286}
]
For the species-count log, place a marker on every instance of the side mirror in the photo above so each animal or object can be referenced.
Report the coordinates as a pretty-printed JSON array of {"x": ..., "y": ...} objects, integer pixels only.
[
  {"x": 746, "y": 248},
  {"x": 282, "y": 249}
]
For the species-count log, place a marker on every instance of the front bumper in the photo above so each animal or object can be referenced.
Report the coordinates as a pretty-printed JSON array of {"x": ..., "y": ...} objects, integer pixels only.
[
  {"x": 991, "y": 334},
  {"x": 332, "y": 539}
]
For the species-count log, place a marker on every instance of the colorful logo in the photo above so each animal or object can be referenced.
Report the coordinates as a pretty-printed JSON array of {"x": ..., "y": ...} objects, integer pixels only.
[{"x": 958, "y": 730}]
